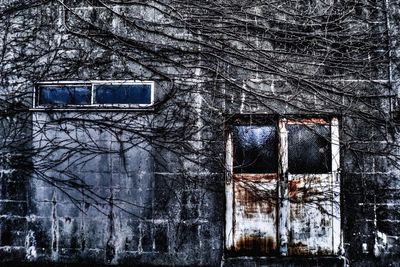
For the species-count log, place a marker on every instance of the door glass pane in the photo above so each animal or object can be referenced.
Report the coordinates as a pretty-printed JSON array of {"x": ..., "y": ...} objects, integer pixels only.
[
  {"x": 255, "y": 149},
  {"x": 309, "y": 148}
]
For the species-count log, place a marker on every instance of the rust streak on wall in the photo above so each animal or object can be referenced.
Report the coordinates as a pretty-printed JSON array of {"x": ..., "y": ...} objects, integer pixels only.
[
  {"x": 308, "y": 121},
  {"x": 254, "y": 177}
]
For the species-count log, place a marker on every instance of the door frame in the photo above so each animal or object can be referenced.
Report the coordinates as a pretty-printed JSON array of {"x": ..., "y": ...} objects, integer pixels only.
[{"x": 283, "y": 205}]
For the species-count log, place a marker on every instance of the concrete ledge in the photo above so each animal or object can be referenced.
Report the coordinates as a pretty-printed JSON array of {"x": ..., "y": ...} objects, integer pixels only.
[
  {"x": 82, "y": 264},
  {"x": 284, "y": 261}
]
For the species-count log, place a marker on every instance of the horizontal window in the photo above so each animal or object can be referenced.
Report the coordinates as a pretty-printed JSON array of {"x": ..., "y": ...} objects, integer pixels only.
[{"x": 94, "y": 94}]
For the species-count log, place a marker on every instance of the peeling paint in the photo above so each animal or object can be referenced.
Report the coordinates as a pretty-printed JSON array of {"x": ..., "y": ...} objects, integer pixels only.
[
  {"x": 255, "y": 206},
  {"x": 54, "y": 229},
  {"x": 243, "y": 99},
  {"x": 307, "y": 121},
  {"x": 381, "y": 245},
  {"x": 30, "y": 245},
  {"x": 110, "y": 247},
  {"x": 311, "y": 219}
]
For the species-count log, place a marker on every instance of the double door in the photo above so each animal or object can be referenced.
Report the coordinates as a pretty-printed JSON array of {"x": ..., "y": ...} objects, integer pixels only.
[{"x": 283, "y": 187}]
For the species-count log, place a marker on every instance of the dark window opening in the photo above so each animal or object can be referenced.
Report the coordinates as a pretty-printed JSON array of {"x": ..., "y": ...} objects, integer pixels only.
[
  {"x": 64, "y": 95},
  {"x": 123, "y": 94},
  {"x": 103, "y": 94},
  {"x": 309, "y": 149},
  {"x": 255, "y": 149}
]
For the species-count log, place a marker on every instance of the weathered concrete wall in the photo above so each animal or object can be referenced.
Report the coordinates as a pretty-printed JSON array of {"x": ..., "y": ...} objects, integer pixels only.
[
  {"x": 104, "y": 194},
  {"x": 133, "y": 210}
]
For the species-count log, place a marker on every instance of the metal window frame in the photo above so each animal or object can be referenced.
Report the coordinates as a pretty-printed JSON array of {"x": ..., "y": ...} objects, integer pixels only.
[{"x": 92, "y": 106}]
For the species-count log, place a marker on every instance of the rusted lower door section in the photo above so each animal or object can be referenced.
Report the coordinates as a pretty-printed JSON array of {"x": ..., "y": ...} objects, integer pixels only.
[
  {"x": 255, "y": 189},
  {"x": 311, "y": 224},
  {"x": 255, "y": 213}
]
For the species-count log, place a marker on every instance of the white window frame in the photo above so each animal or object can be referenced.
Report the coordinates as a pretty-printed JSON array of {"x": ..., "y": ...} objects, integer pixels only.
[{"x": 92, "y": 84}]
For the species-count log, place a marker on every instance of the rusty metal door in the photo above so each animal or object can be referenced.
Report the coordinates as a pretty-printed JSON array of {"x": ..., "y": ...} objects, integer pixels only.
[
  {"x": 282, "y": 189},
  {"x": 253, "y": 189},
  {"x": 313, "y": 225}
]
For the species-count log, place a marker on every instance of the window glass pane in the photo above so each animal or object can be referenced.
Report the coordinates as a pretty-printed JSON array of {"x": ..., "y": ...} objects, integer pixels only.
[
  {"x": 255, "y": 149},
  {"x": 309, "y": 148},
  {"x": 123, "y": 94},
  {"x": 64, "y": 95}
]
